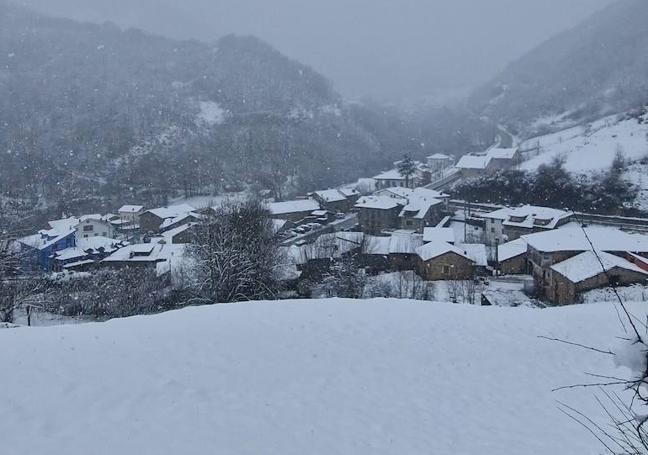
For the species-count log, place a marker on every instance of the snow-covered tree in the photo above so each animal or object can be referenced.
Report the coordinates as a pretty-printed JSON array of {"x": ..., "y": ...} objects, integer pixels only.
[{"x": 236, "y": 254}]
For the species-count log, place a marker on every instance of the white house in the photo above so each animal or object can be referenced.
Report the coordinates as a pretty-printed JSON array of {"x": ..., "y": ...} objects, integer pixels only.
[{"x": 94, "y": 226}]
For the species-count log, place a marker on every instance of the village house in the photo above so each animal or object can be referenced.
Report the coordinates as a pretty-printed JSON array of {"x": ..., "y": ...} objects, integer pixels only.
[
  {"x": 294, "y": 211},
  {"x": 144, "y": 256},
  {"x": 512, "y": 258},
  {"x": 508, "y": 224},
  {"x": 179, "y": 221},
  {"x": 85, "y": 255},
  {"x": 39, "y": 249},
  {"x": 375, "y": 254},
  {"x": 95, "y": 226},
  {"x": 378, "y": 213},
  {"x": 438, "y": 260},
  {"x": 424, "y": 208},
  {"x": 130, "y": 214},
  {"x": 502, "y": 159},
  {"x": 493, "y": 160},
  {"x": 314, "y": 260},
  {"x": 431, "y": 234},
  {"x": 584, "y": 272},
  {"x": 403, "y": 251},
  {"x": 333, "y": 200},
  {"x": 472, "y": 166},
  {"x": 439, "y": 162},
  {"x": 561, "y": 283},
  {"x": 182, "y": 234},
  {"x": 152, "y": 221}
]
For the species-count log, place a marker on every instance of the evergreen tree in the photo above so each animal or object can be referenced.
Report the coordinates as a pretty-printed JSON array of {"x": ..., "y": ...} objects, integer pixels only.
[{"x": 407, "y": 168}]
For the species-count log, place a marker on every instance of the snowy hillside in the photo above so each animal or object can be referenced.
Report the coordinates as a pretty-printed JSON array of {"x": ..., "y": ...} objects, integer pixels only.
[
  {"x": 591, "y": 147},
  {"x": 326, "y": 377}
]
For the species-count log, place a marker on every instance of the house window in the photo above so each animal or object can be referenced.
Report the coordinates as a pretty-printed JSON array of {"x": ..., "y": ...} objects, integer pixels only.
[
  {"x": 446, "y": 270},
  {"x": 88, "y": 228},
  {"x": 104, "y": 234}
]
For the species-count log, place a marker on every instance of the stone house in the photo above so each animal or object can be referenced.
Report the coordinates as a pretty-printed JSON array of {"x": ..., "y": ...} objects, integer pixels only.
[
  {"x": 583, "y": 273},
  {"x": 550, "y": 257},
  {"x": 378, "y": 213},
  {"x": 439, "y": 260},
  {"x": 512, "y": 258}
]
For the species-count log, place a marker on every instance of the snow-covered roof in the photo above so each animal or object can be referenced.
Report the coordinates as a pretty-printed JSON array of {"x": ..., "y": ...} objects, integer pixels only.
[
  {"x": 171, "y": 233},
  {"x": 438, "y": 248},
  {"x": 331, "y": 246},
  {"x": 78, "y": 264},
  {"x": 476, "y": 252},
  {"x": 45, "y": 238},
  {"x": 574, "y": 239},
  {"x": 404, "y": 243},
  {"x": 349, "y": 192},
  {"x": 586, "y": 265},
  {"x": 430, "y": 234},
  {"x": 93, "y": 217},
  {"x": 502, "y": 154},
  {"x": 89, "y": 245},
  {"x": 473, "y": 162},
  {"x": 529, "y": 216},
  {"x": 331, "y": 195},
  {"x": 396, "y": 192},
  {"x": 172, "y": 211},
  {"x": 512, "y": 249},
  {"x": 146, "y": 252},
  {"x": 296, "y": 206},
  {"x": 393, "y": 174},
  {"x": 376, "y": 245},
  {"x": 377, "y": 202},
  {"x": 419, "y": 203},
  {"x": 131, "y": 209},
  {"x": 70, "y": 253},
  {"x": 179, "y": 219},
  {"x": 64, "y": 225},
  {"x": 439, "y": 156}
]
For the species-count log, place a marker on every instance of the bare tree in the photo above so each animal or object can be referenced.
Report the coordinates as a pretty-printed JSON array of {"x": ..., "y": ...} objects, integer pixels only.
[{"x": 236, "y": 254}]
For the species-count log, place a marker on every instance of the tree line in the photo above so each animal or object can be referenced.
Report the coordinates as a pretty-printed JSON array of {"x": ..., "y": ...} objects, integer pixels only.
[{"x": 606, "y": 193}]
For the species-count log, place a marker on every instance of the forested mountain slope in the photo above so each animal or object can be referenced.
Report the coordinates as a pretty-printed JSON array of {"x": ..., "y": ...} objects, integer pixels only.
[
  {"x": 94, "y": 111},
  {"x": 598, "y": 68}
]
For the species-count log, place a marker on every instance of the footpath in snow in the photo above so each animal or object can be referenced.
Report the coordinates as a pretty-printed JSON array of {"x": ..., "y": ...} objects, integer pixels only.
[{"x": 321, "y": 377}]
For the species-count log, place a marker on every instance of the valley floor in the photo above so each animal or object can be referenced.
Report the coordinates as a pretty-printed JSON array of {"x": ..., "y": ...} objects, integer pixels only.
[{"x": 308, "y": 377}]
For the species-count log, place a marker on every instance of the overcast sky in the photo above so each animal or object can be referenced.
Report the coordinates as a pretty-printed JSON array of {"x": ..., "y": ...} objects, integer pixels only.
[{"x": 385, "y": 49}]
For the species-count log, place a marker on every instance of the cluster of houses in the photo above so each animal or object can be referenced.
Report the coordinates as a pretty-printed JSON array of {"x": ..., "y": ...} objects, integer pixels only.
[
  {"x": 426, "y": 172},
  {"x": 417, "y": 229},
  {"x": 397, "y": 225},
  {"x": 133, "y": 237}
]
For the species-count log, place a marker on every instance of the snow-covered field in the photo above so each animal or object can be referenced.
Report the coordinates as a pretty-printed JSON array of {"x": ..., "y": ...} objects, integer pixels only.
[
  {"x": 591, "y": 147},
  {"x": 320, "y": 377}
]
